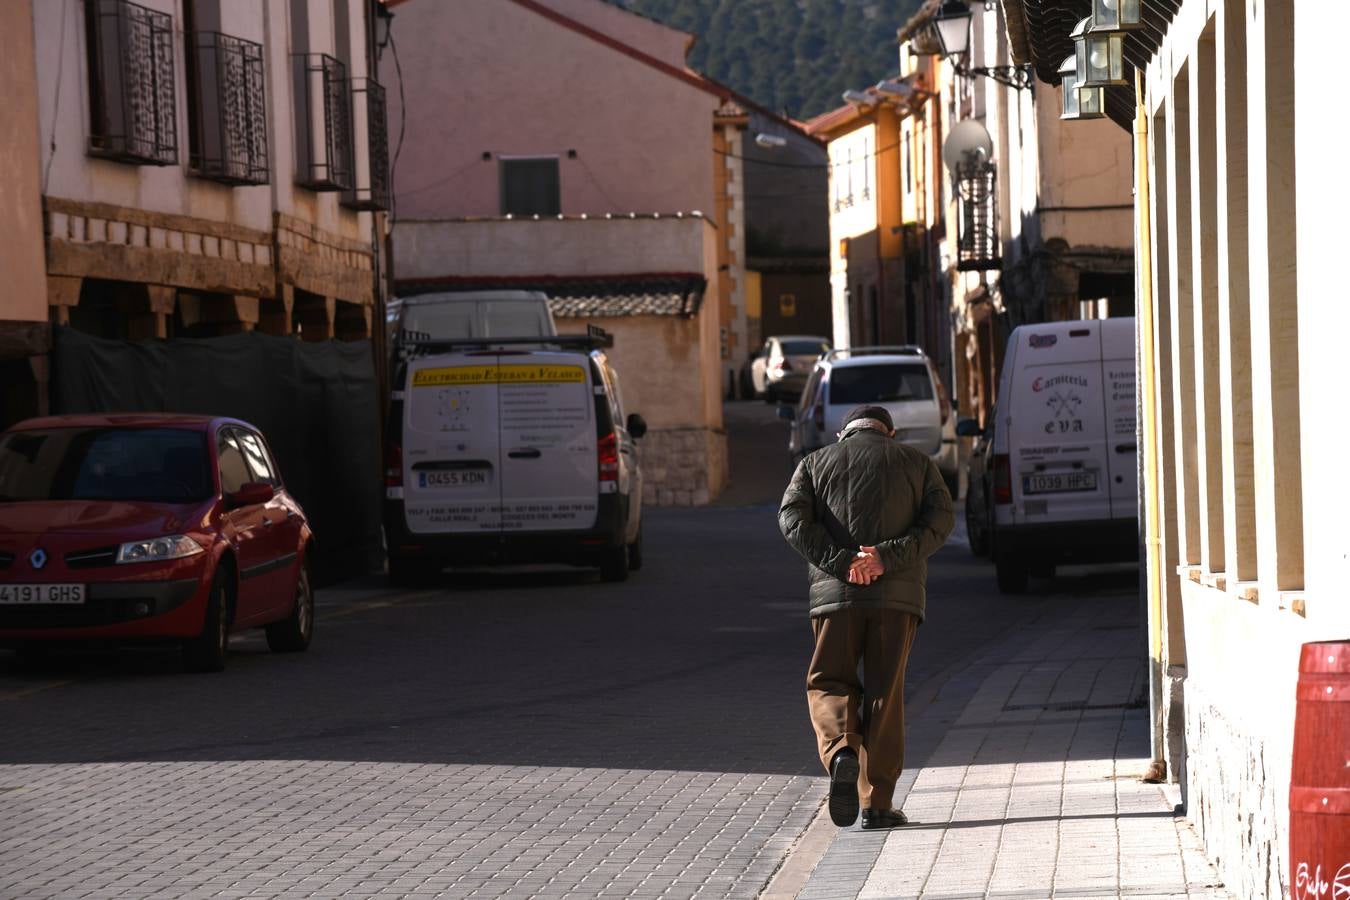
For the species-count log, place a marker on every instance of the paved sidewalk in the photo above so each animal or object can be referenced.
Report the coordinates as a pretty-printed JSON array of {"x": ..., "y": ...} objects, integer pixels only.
[{"x": 1027, "y": 782}]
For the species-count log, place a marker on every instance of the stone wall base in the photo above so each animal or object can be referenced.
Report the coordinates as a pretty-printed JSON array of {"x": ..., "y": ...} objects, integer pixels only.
[
  {"x": 683, "y": 466},
  {"x": 1237, "y": 807}
]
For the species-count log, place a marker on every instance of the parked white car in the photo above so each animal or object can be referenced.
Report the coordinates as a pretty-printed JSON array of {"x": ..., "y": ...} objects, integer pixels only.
[
  {"x": 900, "y": 378},
  {"x": 782, "y": 365}
]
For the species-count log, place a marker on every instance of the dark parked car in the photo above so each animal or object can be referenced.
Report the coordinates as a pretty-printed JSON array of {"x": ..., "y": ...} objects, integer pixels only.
[
  {"x": 120, "y": 528},
  {"x": 979, "y": 485}
]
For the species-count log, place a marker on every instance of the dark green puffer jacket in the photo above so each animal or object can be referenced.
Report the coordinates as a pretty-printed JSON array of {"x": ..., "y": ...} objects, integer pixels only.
[{"x": 867, "y": 490}]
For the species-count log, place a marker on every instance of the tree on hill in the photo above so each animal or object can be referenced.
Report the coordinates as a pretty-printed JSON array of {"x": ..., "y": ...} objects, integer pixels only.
[{"x": 793, "y": 56}]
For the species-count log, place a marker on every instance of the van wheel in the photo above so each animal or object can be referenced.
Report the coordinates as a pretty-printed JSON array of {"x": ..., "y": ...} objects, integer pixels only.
[
  {"x": 635, "y": 552},
  {"x": 614, "y": 564},
  {"x": 207, "y": 651},
  {"x": 1011, "y": 572},
  {"x": 408, "y": 573}
]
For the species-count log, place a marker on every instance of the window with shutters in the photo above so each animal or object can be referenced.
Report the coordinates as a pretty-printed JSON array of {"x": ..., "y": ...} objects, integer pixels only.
[
  {"x": 131, "y": 83},
  {"x": 530, "y": 186}
]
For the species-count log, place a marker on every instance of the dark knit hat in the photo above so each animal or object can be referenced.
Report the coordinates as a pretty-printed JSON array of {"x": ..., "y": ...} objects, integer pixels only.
[{"x": 880, "y": 413}]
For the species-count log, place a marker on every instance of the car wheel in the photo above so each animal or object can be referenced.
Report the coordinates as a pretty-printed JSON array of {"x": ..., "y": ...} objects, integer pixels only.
[
  {"x": 1011, "y": 572},
  {"x": 635, "y": 552},
  {"x": 976, "y": 535},
  {"x": 614, "y": 564},
  {"x": 293, "y": 633},
  {"x": 207, "y": 651},
  {"x": 408, "y": 573}
]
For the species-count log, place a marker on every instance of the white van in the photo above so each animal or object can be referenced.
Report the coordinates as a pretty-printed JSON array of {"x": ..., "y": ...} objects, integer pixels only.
[
  {"x": 505, "y": 450},
  {"x": 442, "y": 315},
  {"x": 1060, "y": 482}
]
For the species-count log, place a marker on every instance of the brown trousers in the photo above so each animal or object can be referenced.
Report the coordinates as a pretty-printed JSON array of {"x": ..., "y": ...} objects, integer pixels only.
[{"x": 881, "y": 639}]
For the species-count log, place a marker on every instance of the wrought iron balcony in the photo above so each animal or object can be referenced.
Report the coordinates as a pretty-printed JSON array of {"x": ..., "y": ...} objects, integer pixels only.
[
  {"x": 369, "y": 108},
  {"x": 978, "y": 245},
  {"x": 132, "y": 112},
  {"x": 228, "y": 138},
  {"x": 323, "y": 123}
]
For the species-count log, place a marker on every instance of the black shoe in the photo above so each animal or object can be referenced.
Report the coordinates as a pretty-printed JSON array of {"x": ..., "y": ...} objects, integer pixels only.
[
  {"x": 844, "y": 788},
  {"x": 883, "y": 818}
]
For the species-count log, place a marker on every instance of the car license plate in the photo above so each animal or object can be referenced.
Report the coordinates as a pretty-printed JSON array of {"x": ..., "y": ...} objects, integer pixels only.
[
  {"x": 26, "y": 594},
  {"x": 1058, "y": 482},
  {"x": 439, "y": 478}
]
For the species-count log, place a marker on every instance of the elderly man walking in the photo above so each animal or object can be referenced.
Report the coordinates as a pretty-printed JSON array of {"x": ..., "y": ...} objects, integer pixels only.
[{"x": 866, "y": 513}]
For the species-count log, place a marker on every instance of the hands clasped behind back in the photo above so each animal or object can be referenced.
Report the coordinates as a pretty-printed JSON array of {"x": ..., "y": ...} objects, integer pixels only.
[{"x": 866, "y": 567}]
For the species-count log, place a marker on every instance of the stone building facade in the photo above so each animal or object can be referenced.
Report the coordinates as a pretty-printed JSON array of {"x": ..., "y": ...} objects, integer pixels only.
[{"x": 211, "y": 167}]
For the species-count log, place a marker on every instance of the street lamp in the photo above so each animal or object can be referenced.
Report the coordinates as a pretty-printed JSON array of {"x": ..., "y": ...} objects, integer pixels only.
[
  {"x": 952, "y": 24},
  {"x": 1099, "y": 56},
  {"x": 1079, "y": 103}
]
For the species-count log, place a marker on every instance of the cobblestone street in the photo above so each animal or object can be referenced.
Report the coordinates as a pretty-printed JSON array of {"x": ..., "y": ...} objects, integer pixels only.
[{"x": 516, "y": 734}]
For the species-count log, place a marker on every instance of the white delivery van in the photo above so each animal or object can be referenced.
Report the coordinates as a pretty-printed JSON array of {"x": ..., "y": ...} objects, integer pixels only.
[
  {"x": 511, "y": 450},
  {"x": 445, "y": 314},
  {"x": 1062, "y": 472}
]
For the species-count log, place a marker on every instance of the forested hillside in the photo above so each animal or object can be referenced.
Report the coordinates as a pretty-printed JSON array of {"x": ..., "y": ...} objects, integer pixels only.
[{"x": 796, "y": 56}]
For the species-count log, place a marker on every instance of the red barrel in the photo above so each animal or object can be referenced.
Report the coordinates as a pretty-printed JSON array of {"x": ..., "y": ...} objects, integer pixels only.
[{"x": 1319, "y": 778}]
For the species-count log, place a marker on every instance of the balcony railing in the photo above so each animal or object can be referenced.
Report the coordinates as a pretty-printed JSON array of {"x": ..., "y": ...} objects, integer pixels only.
[
  {"x": 369, "y": 109},
  {"x": 977, "y": 210},
  {"x": 131, "y": 83},
  {"x": 229, "y": 115},
  {"x": 323, "y": 123}
]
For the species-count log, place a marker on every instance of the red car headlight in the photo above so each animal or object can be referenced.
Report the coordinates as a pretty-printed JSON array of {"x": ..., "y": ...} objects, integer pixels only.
[{"x": 174, "y": 546}]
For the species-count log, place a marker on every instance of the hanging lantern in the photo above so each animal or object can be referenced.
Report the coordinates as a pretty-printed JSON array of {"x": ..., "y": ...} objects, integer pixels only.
[
  {"x": 953, "y": 28},
  {"x": 1079, "y": 103},
  {"x": 1099, "y": 56},
  {"x": 1116, "y": 15}
]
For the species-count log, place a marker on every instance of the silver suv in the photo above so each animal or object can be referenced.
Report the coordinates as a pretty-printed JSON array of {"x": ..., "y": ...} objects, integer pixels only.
[{"x": 902, "y": 379}]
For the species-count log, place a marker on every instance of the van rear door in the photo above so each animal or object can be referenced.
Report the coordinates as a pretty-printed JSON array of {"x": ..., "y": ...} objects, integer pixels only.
[
  {"x": 1118, "y": 384},
  {"x": 550, "y": 474},
  {"x": 1057, "y": 425},
  {"x": 452, "y": 461}
]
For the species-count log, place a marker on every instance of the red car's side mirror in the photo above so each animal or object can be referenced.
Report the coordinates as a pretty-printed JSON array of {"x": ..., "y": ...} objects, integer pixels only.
[{"x": 251, "y": 494}]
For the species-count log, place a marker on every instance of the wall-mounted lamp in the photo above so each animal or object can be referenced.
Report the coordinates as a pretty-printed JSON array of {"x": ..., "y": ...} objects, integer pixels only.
[
  {"x": 384, "y": 20},
  {"x": 1116, "y": 15},
  {"x": 1079, "y": 103},
  {"x": 1099, "y": 56},
  {"x": 952, "y": 24}
]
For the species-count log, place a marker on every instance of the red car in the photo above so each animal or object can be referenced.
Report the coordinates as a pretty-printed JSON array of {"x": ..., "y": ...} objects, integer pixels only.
[{"x": 120, "y": 528}]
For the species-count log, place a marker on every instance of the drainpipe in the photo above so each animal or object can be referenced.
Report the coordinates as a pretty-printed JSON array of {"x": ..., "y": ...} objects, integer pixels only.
[{"x": 1148, "y": 395}]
